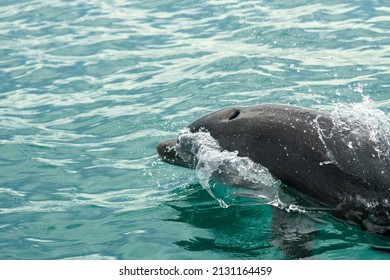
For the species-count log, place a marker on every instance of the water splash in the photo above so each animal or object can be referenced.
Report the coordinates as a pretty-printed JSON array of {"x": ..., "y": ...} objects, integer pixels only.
[
  {"x": 362, "y": 133},
  {"x": 362, "y": 120},
  {"x": 228, "y": 177}
]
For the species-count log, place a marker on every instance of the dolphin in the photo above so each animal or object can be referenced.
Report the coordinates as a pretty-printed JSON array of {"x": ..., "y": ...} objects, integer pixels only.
[{"x": 337, "y": 166}]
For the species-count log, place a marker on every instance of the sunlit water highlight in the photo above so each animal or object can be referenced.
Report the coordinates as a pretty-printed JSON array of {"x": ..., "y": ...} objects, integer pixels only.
[{"x": 89, "y": 88}]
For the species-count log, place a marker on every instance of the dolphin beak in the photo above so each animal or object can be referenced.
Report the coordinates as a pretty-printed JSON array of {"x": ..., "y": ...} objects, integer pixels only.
[{"x": 168, "y": 153}]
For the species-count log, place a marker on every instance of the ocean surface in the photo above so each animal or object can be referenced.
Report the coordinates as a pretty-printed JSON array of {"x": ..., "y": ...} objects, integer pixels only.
[{"x": 88, "y": 88}]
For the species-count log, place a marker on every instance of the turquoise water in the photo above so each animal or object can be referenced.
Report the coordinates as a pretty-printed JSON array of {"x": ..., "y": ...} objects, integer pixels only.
[{"x": 89, "y": 88}]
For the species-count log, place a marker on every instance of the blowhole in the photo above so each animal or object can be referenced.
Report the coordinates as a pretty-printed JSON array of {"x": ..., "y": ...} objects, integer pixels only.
[{"x": 235, "y": 115}]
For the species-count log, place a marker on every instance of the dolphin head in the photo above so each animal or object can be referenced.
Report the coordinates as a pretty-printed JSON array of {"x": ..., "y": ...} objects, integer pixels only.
[
  {"x": 267, "y": 134},
  {"x": 181, "y": 151},
  {"x": 229, "y": 127},
  {"x": 168, "y": 151}
]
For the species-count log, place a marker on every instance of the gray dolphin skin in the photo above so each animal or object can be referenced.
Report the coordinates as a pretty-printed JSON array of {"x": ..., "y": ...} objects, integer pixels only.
[{"x": 302, "y": 148}]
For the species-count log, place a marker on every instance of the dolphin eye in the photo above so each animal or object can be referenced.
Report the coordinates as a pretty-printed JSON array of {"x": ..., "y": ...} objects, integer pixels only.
[{"x": 235, "y": 114}]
